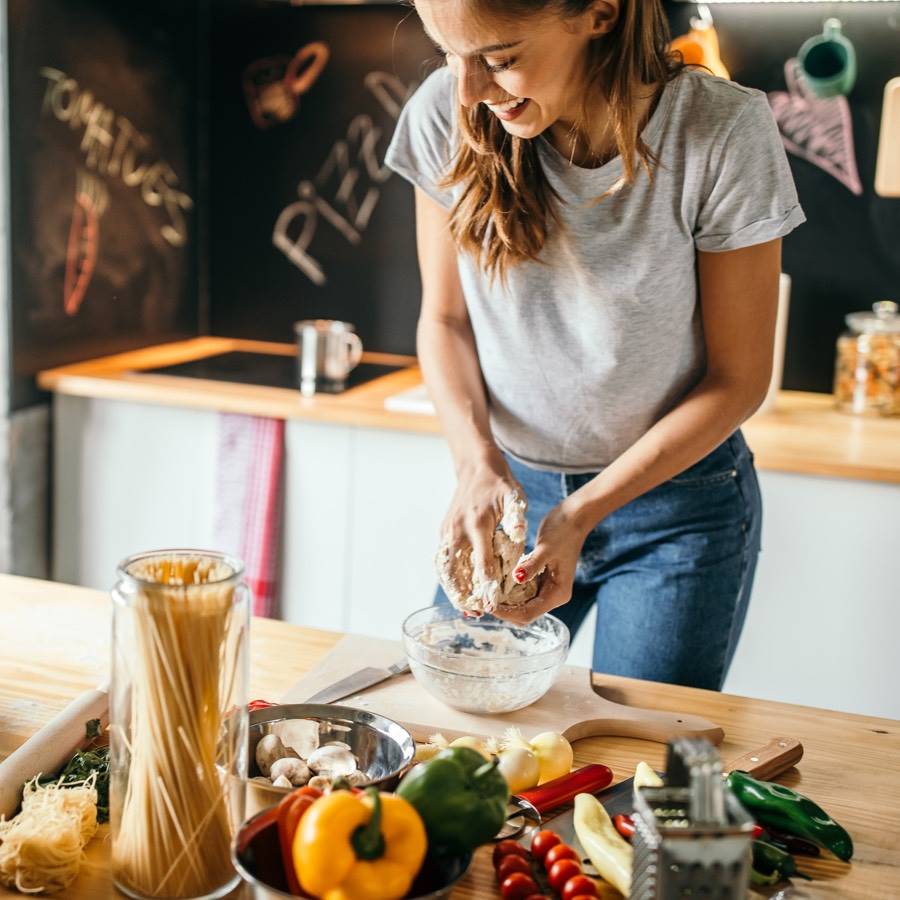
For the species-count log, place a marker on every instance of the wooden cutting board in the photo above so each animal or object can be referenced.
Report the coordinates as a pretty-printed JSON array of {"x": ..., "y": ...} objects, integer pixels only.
[{"x": 572, "y": 706}]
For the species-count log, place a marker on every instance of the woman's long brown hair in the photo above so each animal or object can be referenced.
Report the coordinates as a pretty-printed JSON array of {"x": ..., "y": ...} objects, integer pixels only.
[{"x": 506, "y": 207}]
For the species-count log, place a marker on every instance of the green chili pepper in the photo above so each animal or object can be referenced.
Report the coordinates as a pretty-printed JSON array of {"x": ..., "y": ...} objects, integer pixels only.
[
  {"x": 460, "y": 796},
  {"x": 770, "y": 860},
  {"x": 790, "y": 812}
]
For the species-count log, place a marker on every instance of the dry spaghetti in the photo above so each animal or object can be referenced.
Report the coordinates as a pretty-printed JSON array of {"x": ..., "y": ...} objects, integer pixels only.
[{"x": 171, "y": 801}]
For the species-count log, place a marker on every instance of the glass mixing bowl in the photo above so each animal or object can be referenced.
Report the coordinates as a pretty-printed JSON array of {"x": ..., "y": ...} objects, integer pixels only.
[{"x": 484, "y": 665}]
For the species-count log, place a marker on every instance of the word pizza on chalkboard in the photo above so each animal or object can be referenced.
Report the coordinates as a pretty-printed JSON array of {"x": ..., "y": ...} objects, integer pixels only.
[{"x": 351, "y": 175}]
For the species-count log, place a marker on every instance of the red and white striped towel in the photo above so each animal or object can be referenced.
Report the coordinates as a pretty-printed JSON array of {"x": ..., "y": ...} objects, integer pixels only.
[{"x": 248, "y": 506}]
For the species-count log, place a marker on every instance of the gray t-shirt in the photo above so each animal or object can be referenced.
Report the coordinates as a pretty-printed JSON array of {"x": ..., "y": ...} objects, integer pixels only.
[{"x": 583, "y": 352}]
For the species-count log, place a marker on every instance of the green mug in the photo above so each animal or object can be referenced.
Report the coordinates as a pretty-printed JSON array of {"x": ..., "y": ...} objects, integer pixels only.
[{"x": 828, "y": 61}]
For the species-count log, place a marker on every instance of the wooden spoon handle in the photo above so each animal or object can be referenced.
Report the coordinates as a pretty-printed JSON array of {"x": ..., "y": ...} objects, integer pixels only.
[{"x": 765, "y": 763}]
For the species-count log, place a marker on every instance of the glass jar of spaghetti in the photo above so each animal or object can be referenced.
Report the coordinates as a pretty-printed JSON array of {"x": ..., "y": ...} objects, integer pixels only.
[
  {"x": 178, "y": 722},
  {"x": 867, "y": 369}
]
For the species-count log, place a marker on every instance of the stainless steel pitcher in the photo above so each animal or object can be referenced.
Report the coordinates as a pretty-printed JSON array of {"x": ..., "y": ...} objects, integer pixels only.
[{"x": 329, "y": 351}]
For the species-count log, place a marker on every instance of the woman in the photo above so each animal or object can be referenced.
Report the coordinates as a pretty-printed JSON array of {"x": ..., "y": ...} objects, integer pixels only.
[{"x": 599, "y": 236}]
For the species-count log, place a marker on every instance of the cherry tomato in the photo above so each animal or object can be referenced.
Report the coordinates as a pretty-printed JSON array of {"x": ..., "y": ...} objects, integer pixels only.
[
  {"x": 542, "y": 842},
  {"x": 536, "y": 897},
  {"x": 518, "y": 886},
  {"x": 561, "y": 871},
  {"x": 581, "y": 886},
  {"x": 504, "y": 848},
  {"x": 558, "y": 851},
  {"x": 510, "y": 863}
]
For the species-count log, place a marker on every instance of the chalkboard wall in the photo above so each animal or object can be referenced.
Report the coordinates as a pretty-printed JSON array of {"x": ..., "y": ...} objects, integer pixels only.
[
  {"x": 103, "y": 106},
  {"x": 278, "y": 207},
  {"x": 847, "y": 254},
  {"x": 305, "y": 220}
]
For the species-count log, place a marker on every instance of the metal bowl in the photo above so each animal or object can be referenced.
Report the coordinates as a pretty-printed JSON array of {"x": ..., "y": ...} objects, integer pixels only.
[
  {"x": 256, "y": 854},
  {"x": 384, "y": 749}
]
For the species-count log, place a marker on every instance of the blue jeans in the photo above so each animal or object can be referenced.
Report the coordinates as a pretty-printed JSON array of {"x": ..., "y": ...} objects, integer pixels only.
[{"x": 670, "y": 572}]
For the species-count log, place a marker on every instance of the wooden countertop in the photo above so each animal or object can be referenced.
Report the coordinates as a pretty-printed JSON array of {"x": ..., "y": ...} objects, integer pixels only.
[
  {"x": 56, "y": 645},
  {"x": 803, "y": 434}
]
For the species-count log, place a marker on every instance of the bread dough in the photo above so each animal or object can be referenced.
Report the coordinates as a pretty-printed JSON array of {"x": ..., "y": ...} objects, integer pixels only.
[{"x": 469, "y": 593}]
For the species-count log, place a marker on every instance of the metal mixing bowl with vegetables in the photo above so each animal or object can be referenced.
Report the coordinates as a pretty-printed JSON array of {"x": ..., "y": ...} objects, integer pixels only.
[{"x": 292, "y": 745}]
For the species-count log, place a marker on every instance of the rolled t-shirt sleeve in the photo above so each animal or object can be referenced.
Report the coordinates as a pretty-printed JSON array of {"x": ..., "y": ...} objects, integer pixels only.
[
  {"x": 752, "y": 198},
  {"x": 421, "y": 148}
]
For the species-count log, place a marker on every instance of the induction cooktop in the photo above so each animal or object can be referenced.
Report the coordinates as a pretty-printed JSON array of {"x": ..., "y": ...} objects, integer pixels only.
[{"x": 266, "y": 369}]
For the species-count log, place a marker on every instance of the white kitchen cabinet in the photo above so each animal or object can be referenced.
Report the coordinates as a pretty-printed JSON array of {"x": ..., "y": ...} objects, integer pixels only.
[
  {"x": 824, "y": 615},
  {"x": 361, "y": 516},
  {"x": 127, "y": 477},
  {"x": 361, "y": 513}
]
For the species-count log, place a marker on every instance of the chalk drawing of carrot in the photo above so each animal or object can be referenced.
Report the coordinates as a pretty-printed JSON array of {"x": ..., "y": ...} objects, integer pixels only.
[{"x": 91, "y": 200}]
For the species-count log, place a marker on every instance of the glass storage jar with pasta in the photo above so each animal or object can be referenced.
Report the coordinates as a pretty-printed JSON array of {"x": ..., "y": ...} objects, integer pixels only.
[
  {"x": 867, "y": 370},
  {"x": 178, "y": 722}
]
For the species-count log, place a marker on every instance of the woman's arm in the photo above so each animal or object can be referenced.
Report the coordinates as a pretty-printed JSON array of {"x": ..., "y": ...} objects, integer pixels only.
[
  {"x": 449, "y": 361},
  {"x": 445, "y": 343},
  {"x": 739, "y": 300}
]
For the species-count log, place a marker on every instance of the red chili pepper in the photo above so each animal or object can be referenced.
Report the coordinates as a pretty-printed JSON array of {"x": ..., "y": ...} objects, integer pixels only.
[
  {"x": 259, "y": 704},
  {"x": 586, "y": 780},
  {"x": 758, "y": 831},
  {"x": 624, "y": 825}
]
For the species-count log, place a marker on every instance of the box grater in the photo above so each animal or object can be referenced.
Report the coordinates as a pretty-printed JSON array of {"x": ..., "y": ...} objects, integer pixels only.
[{"x": 692, "y": 837}]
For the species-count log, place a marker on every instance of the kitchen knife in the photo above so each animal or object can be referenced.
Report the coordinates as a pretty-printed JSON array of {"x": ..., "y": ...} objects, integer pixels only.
[
  {"x": 358, "y": 681},
  {"x": 779, "y": 755}
]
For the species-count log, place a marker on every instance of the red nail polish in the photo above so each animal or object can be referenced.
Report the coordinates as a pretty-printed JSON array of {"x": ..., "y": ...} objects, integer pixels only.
[{"x": 520, "y": 574}]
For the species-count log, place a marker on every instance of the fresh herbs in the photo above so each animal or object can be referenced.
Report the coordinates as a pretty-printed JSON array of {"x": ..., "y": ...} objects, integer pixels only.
[{"x": 94, "y": 758}]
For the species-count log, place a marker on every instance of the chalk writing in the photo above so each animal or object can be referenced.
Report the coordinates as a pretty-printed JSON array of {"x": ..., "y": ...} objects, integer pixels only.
[
  {"x": 350, "y": 177},
  {"x": 816, "y": 129},
  {"x": 273, "y": 85},
  {"x": 91, "y": 200},
  {"x": 114, "y": 148}
]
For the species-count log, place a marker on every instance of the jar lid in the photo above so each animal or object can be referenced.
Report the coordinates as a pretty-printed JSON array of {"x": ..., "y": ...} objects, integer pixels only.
[{"x": 883, "y": 318}]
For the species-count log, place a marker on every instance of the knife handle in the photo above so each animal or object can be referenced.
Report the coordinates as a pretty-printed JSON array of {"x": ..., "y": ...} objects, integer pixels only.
[
  {"x": 779, "y": 755},
  {"x": 586, "y": 780}
]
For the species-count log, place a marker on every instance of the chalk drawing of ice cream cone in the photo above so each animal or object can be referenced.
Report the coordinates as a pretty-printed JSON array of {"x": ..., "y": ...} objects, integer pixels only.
[
  {"x": 91, "y": 200},
  {"x": 273, "y": 85}
]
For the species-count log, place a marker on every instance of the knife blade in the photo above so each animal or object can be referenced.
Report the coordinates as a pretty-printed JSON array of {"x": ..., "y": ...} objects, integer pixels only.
[
  {"x": 777, "y": 756},
  {"x": 358, "y": 681}
]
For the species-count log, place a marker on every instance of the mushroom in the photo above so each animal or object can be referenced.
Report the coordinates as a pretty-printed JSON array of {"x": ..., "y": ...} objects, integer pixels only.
[
  {"x": 269, "y": 750},
  {"x": 281, "y": 781},
  {"x": 332, "y": 761},
  {"x": 295, "y": 770},
  {"x": 300, "y": 734},
  {"x": 320, "y": 782}
]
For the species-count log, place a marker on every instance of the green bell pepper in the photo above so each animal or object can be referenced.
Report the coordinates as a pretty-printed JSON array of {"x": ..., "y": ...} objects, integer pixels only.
[
  {"x": 790, "y": 812},
  {"x": 460, "y": 796}
]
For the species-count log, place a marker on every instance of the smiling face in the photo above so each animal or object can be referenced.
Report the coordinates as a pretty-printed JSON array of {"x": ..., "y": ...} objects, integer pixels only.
[{"x": 529, "y": 71}]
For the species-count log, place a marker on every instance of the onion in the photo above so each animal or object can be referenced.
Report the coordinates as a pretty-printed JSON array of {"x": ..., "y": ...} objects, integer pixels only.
[
  {"x": 554, "y": 753},
  {"x": 520, "y": 768},
  {"x": 472, "y": 743}
]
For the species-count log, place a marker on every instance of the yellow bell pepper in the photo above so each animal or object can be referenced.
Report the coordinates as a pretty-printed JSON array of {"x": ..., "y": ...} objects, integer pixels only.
[{"x": 359, "y": 847}]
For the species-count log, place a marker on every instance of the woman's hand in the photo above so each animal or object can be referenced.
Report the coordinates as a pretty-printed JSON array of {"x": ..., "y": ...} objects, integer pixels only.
[
  {"x": 552, "y": 561},
  {"x": 475, "y": 511}
]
